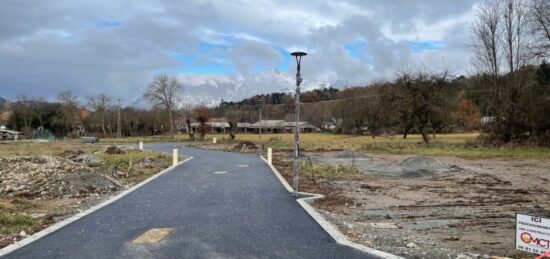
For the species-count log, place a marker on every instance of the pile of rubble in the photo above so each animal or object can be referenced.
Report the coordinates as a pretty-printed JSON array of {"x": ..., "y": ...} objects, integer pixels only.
[
  {"x": 113, "y": 150},
  {"x": 80, "y": 156},
  {"x": 44, "y": 177},
  {"x": 245, "y": 146}
]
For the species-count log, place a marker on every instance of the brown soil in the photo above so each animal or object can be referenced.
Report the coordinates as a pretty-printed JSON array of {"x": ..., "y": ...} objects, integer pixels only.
[
  {"x": 114, "y": 150},
  {"x": 466, "y": 213}
]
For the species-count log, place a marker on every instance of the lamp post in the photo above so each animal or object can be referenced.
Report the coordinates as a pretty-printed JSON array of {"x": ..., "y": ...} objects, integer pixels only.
[
  {"x": 295, "y": 166},
  {"x": 260, "y": 102},
  {"x": 119, "y": 128}
]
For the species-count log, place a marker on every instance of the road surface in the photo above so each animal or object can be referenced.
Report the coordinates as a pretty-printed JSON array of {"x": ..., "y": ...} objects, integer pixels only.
[{"x": 220, "y": 204}]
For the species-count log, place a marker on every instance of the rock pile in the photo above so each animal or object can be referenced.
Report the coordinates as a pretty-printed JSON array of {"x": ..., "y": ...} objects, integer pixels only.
[
  {"x": 80, "y": 156},
  {"x": 44, "y": 177},
  {"x": 113, "y": 150},
  {"x": 245, "y": 146}
]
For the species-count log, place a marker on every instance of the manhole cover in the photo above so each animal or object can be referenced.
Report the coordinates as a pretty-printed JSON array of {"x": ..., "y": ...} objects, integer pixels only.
[
  {"x": 153, "y": 235},
  {"x": 220, "y": 172}
]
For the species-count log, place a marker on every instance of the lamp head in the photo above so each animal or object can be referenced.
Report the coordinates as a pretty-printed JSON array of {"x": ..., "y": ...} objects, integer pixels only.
[{"x": 298, "y": 54}]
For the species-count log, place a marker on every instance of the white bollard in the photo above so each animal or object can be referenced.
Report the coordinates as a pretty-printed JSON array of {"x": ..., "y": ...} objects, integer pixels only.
[
  {"x": 214, "y": 140},
  {"x": 175, "y": 157},
  {"x": 141, "y": 145},
  {"x": 269, "y": 156}
]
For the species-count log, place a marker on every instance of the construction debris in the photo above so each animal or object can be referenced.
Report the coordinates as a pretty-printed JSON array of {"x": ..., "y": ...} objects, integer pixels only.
[
  {"x": 44, "y": 177},
  {"x": 80, "y": 156},
  {"x": 114, "y": 150},
  {"x": 245, "y": 146}
]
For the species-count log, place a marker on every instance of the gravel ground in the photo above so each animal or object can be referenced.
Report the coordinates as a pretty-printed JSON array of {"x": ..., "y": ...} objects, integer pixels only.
[{"x": 444, "y": 207}]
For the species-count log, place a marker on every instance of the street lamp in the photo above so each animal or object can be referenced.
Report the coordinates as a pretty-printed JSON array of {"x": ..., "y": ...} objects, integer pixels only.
[
  {"x": 260, "y": 102},
  {"x": 295, "y": 169}
]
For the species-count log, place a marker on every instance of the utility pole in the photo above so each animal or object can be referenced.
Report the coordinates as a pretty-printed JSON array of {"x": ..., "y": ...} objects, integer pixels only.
[
  {"x": 295, "y": 168},
  {"x": 119, "y": 128},
  {"x": 261, "y": 101}
]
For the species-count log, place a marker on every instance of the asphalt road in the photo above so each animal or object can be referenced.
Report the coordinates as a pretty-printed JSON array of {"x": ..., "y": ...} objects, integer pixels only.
[{"x": 244, "y": 213}]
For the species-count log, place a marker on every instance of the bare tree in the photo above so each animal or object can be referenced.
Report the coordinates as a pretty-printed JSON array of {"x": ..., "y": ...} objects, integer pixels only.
[
  {"x": 70, "y": 115},
  {"x": 233, "y": 117},
  {"x": 25, "y": 112},
  {"x": 516, "y": 48},
  {"x": 486, "y": 43},
  {"x": 165, "y": 91},
  {"x": 202, "y": 114},
  {"x": 423, "y": 94},
  {"x": 540, "y": 18},
  {"x": 99, "y": 104}
]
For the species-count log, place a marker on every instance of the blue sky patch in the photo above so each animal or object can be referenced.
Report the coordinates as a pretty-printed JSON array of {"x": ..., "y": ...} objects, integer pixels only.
[
  {"x": 354, "y": 48},
  {"x": 419, "y": 46}
]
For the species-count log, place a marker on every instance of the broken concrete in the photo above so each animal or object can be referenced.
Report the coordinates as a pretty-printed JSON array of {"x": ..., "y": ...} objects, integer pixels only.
[
  {"x": 244, "y": 146},
  {"x": 45, "y": 177}
]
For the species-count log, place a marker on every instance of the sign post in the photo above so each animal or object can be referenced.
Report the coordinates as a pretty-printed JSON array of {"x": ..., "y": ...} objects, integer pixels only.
[{"x": 532, "y": 234}]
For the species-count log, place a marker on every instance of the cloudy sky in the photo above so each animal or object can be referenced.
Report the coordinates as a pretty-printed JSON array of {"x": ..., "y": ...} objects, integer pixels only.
[{"x": 223, "y": 49}]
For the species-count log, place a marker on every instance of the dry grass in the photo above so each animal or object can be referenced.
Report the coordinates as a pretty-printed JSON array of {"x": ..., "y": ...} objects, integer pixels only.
[
  {"x": 137, "y": 174},
  {"x": 17, "y": 214},
  {"x": 55, "y": 148},
  {"x": 458, "y": 145}
]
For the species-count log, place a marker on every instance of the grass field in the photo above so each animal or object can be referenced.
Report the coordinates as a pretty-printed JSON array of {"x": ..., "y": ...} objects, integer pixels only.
[
  {"x": 459, "y": 145},
  {"x": 55, "y": 148}
]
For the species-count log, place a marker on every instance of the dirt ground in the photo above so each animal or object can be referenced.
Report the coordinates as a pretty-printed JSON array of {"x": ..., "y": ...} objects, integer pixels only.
[{"x": 466, "y": 212}]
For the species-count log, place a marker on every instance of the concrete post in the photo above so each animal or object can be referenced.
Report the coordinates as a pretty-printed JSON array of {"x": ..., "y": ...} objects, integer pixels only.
[
  {"x": 141, "y": 145},
  {"x": 175, "y": 157},
  {"x": 269, "y": 156},
  {"x": 214, "y": 140}
]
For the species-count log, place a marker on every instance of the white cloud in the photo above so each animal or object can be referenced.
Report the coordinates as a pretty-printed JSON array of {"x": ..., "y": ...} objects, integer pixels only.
[{"x": 46, "y": 47}]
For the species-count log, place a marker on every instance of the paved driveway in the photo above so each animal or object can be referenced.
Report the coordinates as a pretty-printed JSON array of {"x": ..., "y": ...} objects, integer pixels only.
[{"x": 243, "y": 213}]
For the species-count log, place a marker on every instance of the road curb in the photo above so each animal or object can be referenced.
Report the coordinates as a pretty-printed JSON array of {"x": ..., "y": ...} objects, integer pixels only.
[
  {"x": 40, "y": 234},
  {"x": 327, "y": 226}
]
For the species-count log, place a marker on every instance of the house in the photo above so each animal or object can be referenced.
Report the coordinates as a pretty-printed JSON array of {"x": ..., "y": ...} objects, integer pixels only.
[
  {"x": 244, "y": 127},
  {"x": 269, "y": 126},
  {"x": 487, "y": 120},
  {"x": 221, "y": 125},
  {"x": 216, "y": 125},
  {"x": 280, "y": 126},
  {"x": 6, "y": 134},
  {"x": 334, "y": 125},
  {"x": 303, "y": 126}
]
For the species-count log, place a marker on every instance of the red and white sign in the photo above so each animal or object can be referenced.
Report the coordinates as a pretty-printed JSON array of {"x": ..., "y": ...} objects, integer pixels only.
[{"x": 532, "y": 234}]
